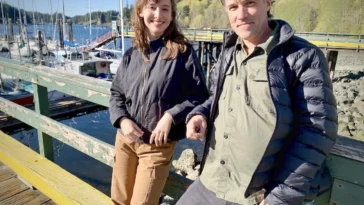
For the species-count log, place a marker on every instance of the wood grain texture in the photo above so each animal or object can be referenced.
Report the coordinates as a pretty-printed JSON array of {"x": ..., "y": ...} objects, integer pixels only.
[{"x": 50, "y": 179}]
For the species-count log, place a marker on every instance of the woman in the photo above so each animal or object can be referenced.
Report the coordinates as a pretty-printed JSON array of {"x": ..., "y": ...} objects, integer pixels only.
[{"x": 157, "y": 84}]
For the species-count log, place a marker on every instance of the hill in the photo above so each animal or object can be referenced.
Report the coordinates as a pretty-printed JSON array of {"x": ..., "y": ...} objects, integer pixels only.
[{"x": 334, "y": 16}]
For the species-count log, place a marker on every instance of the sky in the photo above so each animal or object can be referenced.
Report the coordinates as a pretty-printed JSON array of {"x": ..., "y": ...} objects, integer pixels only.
[{"x": 71, "y": 7}]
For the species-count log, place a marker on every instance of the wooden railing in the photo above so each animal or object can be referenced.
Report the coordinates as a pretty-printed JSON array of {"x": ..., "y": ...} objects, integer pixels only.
[
  {"x": 323, "y": 40},
  {"x": 346, "y": 161},
  {"x": 90, "y": 89}
]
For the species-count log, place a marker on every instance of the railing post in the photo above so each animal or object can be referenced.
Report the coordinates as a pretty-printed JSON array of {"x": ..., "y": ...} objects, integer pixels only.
[
  {"x": 208, "y": 69},
  {"x": 358, "y": 47},
  {"x": 194, "y": 34},
  {"x": 331, "y": 60},
  {"x": 42, "y": 107}
]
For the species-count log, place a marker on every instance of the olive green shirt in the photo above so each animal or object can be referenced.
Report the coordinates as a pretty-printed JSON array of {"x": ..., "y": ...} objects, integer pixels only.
[{"x": 246, "y": 117}]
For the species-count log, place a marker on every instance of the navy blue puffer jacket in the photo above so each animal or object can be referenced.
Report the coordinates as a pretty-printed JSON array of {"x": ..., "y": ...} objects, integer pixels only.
[{"x": 291, "y": 169}]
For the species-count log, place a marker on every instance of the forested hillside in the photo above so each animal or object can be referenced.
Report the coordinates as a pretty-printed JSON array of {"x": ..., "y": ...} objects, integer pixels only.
[
  {"x": 97, "y": 17},
  {"x": 336, "y": 16}
]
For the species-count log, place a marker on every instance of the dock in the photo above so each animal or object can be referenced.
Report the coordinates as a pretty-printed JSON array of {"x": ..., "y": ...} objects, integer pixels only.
[{"x": 15, "y": 192}]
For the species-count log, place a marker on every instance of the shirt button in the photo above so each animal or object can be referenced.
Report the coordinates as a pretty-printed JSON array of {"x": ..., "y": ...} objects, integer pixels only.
[
  {"x": 238, "y": 87},
  {"x": 244, "y": 63},
  {"x": 222, "y": 162},
  {"x": 226, "y": 136},
  {"x": 247, "y": 100},
  {"x": 230, "y": 109}
]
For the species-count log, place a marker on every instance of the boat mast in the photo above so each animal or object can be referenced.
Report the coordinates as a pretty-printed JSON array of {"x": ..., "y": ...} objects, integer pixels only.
[
  {"x": 2, "y": 16},
  {"x": 64, "y": 22},
  {"x": 20, "y": 23},
  {"x": 50, "y": 3},
  {"x": 34, "y": 21},
  {"x": 2, "y": 13},
  {"x": 122, "y": 27},
  {"x": 89, "y": 10},
  {"x": 55, "y": 28}
]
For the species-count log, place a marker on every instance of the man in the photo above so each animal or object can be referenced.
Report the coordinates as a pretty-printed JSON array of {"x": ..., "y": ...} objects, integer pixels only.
[{"x": 272, "y": 117}]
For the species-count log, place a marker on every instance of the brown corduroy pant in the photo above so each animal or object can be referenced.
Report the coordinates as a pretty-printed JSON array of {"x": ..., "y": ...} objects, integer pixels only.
[{"x": 140, "y": 171}]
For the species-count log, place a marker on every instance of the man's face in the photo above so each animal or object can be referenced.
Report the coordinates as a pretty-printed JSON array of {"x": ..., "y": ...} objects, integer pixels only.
[{"x": 248, "y": 18}]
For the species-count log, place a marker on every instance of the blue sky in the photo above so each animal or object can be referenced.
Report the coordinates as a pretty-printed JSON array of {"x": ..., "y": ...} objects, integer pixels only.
[{"x": 71, "y": 7}]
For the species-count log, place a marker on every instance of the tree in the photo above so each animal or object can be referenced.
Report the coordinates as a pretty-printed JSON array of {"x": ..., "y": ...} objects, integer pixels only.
[{"x": 186, "y": 11}]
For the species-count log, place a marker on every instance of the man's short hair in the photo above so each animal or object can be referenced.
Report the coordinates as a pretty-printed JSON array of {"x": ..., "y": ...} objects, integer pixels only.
[{"x": 268, "y": 12}]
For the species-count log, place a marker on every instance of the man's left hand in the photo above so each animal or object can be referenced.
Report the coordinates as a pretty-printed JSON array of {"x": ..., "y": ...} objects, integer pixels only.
[{"x": 161, "y": 131}]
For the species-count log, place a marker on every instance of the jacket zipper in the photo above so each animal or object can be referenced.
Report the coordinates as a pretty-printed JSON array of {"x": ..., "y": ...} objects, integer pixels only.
[{"x": 142, "y": 97}]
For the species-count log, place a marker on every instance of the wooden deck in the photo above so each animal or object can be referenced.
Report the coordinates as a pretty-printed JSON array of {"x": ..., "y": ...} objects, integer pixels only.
[{"x": 14, "y": 192}]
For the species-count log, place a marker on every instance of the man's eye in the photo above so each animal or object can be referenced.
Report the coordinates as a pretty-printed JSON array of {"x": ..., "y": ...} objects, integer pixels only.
[
  {"x": 251, "y": 3},
  {"x": 233, "y": 8}
]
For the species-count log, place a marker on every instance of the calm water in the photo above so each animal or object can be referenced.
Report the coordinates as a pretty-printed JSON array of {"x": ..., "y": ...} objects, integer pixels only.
[{"x": 97, "y": 125}]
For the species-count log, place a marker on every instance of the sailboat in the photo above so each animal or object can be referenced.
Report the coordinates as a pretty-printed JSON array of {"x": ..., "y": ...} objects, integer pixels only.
[{"x": 115, "y": 62}]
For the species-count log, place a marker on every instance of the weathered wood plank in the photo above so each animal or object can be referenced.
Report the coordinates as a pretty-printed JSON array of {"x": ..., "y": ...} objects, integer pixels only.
[
  {"x": 85, "y": 143},
  {"x": 91, "y": 89},
  {"x": 69, "y": 107},
  {"x": 6, "y": 173},
  {"x": 50, "y": 202},
  {"x": 33, "y": 197},
  {"x": 349, "y": 148},
  {"x": 344, "y": 193},
  {"x": 346, "y": 169},
  {"x": 10, "y": 188},
  {"x": 61, "y": 186},
  {"x": 29, "y": 72}
]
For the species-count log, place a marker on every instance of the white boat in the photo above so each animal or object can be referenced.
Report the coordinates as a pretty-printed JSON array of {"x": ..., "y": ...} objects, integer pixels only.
[
  {"x": 92, "y": 68},
  {"x": 114, "y": 59}
]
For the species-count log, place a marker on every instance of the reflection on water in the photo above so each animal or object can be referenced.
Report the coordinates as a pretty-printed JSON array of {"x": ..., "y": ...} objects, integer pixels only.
[{"x": 86, "y": 168}]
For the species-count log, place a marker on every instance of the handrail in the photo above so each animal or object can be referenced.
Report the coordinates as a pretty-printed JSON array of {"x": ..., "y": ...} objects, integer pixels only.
[{"x": 322, "y": 40}]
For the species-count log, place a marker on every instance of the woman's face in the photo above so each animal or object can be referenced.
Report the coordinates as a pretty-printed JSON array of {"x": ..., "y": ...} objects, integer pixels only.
[{"x": 157, "y": 17}]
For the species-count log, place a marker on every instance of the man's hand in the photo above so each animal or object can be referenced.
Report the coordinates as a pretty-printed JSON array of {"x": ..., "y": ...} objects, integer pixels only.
[
  {"x": 263, "y": 202},
  {"x": 130, "y": 129},
  {"x": 196, "y": 128},
  {"x": 161, "y": 131}
]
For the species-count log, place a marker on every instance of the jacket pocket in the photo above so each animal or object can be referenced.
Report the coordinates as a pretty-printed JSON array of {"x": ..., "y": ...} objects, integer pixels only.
[
  {"x": 128, "y": 103},
  {"x": 163, "y": 106}
]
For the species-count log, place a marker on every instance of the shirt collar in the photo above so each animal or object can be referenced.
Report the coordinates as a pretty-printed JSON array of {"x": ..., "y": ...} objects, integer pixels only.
[{"x": 270, "y": 43}]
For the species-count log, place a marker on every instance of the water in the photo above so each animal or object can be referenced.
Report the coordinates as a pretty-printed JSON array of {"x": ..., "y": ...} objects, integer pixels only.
[
  {"x": 81, "y": 34},
  {"x": 96, "y": 124}
]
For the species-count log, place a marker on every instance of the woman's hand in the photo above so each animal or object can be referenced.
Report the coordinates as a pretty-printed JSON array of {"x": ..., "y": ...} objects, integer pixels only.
[
  {"x": 161, "y": 131},
  {"x": 263, "y": 202},
  {"x": 130, "y": 129}
]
